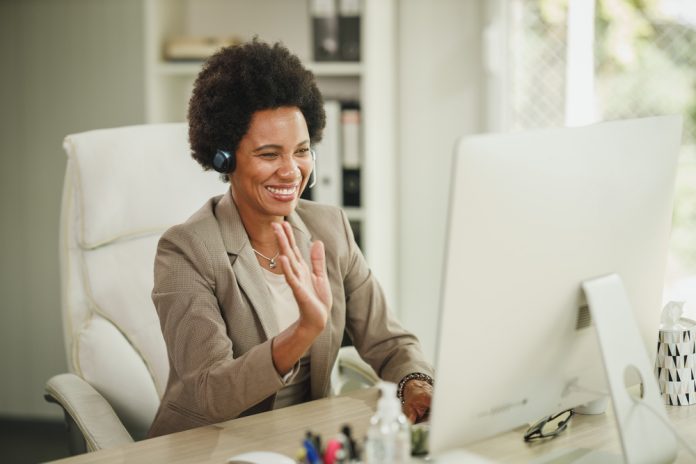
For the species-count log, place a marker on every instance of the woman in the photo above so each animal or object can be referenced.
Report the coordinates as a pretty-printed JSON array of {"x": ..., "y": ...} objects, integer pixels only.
[{"x": 255, "y": 290}]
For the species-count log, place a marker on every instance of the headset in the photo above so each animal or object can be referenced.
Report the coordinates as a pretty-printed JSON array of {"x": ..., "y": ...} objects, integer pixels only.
[{"x": 224, "y": 162}]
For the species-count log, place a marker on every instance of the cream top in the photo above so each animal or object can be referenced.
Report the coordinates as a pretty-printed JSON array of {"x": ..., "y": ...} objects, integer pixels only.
[
  {"x": 297, "y": 389},
  {"x": 284, "y": 304}
]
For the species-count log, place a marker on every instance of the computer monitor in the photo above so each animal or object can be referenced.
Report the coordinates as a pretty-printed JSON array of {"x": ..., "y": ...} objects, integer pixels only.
[{"x": 532, "y": 216}]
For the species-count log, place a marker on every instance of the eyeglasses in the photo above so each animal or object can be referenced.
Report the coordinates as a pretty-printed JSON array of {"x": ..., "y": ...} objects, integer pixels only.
[{"x": 549, "y": 426}]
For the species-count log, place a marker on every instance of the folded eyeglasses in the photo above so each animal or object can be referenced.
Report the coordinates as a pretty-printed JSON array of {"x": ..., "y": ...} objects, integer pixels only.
[{"x": 549, "y": 426}]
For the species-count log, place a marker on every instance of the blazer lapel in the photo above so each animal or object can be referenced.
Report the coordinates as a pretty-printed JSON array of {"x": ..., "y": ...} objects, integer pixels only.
[
  {"x": 246, "y": 267},
  {"x": 321, "y": 348}
]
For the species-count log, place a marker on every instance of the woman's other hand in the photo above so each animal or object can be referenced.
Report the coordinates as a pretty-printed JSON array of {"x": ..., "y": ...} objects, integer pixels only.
[
  {"x": 309, "y": 286},
  {"x": 417, "y": 396}
]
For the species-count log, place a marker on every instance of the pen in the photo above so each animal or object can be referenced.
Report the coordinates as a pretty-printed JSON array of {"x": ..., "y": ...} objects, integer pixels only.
[
  {"x": 350, "y": 443},
  {"x": 332, "y": 448},
  {"x": 312, "y": 455}
]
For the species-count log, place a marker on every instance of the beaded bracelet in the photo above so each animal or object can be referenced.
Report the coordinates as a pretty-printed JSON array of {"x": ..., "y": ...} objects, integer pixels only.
[{"x": 411, "y": 376}]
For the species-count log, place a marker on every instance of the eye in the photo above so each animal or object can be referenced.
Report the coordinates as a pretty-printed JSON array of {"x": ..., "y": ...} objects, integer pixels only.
[
  {"x": 302, "y": 151},
  {"x": 269, "y": 155}
]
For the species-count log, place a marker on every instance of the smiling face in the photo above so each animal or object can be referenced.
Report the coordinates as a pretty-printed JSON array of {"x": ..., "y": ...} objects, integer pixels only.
[{"x": 273, "y": 164}]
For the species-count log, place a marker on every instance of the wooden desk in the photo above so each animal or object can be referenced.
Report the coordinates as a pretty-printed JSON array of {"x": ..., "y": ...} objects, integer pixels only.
[{"x": 283, "y": 429}]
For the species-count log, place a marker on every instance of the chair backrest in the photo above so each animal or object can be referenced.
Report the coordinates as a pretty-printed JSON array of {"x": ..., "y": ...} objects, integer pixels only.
[{"x": 123, "y": 188}]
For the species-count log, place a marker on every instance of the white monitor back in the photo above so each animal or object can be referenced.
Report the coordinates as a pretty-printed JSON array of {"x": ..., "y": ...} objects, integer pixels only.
[{"x": 533, "y": 215}]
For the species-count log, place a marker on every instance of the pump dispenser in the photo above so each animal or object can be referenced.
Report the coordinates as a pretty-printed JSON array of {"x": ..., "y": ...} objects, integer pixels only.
[{"x": 389, "y": 435}]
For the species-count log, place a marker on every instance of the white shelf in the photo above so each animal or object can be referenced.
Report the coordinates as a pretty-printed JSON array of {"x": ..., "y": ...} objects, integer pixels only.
[
  {"x": 175, "y": 68},
  {"x": 342, "y": 69},
  {"x": 328, "y": 69}
]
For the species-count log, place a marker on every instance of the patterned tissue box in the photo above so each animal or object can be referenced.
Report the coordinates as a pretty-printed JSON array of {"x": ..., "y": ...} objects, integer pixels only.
[{"x": 675, "y": 364}]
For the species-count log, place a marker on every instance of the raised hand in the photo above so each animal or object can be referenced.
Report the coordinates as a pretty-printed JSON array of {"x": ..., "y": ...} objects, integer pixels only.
[{"x": 309, "y": 286}]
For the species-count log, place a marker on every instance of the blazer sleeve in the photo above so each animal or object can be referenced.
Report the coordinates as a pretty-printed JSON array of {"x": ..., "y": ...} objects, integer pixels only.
[
  {"x": 381, "y": 341},
  {"x": 201, "y": 354}
]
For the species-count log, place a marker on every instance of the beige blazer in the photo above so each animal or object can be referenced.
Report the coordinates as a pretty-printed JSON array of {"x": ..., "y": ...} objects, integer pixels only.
[{"x": 215, "y": 313}]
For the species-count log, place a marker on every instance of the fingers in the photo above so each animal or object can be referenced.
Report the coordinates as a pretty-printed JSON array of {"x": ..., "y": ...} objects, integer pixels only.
[
  {"x": 292, "y": 263},
  {"x": 318, "y": 257},
  {"x": 297, "y": 272},
  {"x": 283, "y": 241},
  {"x": 425, "y": 400},
  {"x": 288, "y": 247},
  {"x": 287, "y": 229},
  {"x": 291, "y": 237},
  {"x": 424, "y": 417},
  {"x": 286, "y": 239},
  {"x": 286, "y": 250},
  {"x": 414, "y": 415},
  {"x": 290, "y": 275},
  {"x": 422, "y": 412}
]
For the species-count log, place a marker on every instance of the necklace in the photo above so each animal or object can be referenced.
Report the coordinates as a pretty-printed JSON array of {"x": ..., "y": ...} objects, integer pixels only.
[{"x": 271, "y": 261}]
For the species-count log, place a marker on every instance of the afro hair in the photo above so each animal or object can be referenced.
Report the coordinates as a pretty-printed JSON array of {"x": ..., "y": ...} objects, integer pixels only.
[{"x": 240, "y": 80}]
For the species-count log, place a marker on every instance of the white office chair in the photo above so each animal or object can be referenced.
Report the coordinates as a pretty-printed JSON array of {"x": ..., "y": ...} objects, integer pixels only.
[
  {"x": 350, "y": 372},
  {"x": 123, "y": 188}
]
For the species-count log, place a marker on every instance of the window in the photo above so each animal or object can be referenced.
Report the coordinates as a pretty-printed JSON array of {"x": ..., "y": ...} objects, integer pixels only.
[{"x": 643, "y": 63}]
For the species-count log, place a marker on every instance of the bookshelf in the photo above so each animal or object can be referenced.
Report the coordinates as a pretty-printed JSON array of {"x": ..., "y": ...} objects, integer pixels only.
[{"x": 370, "y": 82}]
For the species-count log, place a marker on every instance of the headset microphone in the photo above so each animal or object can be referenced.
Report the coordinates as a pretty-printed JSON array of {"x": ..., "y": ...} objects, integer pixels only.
[
  {"x": 313, "y": 175},
  {"x": 224, "y": 162}
]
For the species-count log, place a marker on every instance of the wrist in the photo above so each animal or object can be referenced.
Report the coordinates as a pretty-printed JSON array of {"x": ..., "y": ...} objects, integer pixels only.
[
  {"x": 289, "y": 345},
  {"x": 309, "y": 328}
]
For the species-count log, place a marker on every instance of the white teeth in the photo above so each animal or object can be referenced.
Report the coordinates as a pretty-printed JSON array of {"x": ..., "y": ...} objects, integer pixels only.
[{"x": 281, "y": 191}]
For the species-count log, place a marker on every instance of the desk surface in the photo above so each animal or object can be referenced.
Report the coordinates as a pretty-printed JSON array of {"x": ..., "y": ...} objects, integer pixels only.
[{"x": 282, "y": 430}]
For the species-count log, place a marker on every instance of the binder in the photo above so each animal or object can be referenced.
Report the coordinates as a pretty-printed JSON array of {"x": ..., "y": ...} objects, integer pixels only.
[
  {"x": 329, "y": 188},
  {"x": 350, "y": 127},
  {"x": 351, "y": 187},
  {"x": 349, "y": 29},
  {"x": 325, "y": 39}
]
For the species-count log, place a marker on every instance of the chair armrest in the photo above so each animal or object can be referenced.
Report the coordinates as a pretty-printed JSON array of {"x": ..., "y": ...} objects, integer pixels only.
[
  {"x": 350, "y": 363},
  {"x": 350, "y": 372},
  {"x": 93, "y": 415}
]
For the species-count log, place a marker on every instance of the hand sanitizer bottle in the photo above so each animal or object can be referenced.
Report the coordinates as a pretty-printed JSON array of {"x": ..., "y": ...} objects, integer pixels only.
[{"x": 389, "y": 435}]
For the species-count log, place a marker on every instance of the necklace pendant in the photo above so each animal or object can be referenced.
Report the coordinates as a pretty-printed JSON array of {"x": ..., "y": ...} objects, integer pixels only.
[{"x": 272, "y": 263}]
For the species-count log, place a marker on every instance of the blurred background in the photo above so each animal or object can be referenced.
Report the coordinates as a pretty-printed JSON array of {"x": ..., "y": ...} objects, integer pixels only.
[{"x": 402, "y": 80}]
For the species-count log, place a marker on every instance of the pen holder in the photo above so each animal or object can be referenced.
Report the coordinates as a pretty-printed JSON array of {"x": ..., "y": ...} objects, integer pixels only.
[{"x": 675, "y": 365}]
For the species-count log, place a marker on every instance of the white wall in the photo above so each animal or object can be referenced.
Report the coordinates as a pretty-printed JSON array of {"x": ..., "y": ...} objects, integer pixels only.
[
  {"x": 67, "y": 66},
  {"x": 440, "y": 98}
]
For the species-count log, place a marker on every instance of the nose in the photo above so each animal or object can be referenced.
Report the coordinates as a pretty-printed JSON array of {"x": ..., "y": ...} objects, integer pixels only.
[{"x": 289, "y": 168}]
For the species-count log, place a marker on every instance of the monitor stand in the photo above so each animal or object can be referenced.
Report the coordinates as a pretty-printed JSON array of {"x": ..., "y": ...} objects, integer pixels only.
[{"x": 644, "y": 436}]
